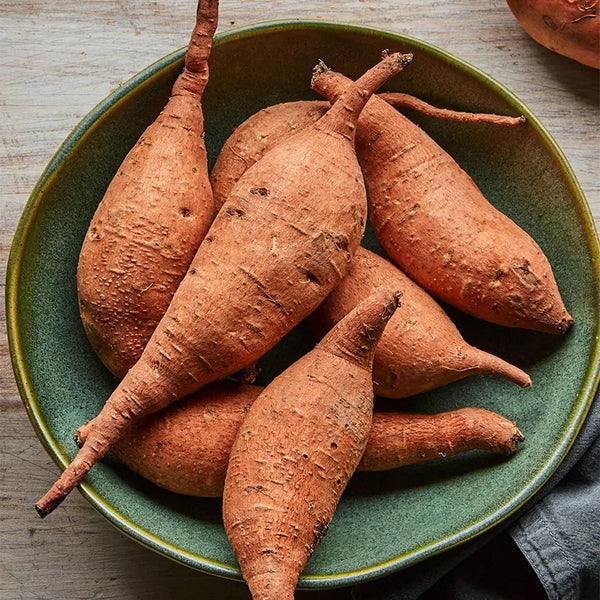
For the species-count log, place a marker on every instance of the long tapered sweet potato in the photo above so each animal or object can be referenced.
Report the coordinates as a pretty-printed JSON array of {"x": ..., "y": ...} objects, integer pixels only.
[
  {"x": 152, "y": 218},
  {"x": 282, "y": 241},
  {"x": 185, "y": 447},
  {"x": 421, "y": 348},
  {"x": 298, "y": 446},
  {"x": 436, "y": 225}
]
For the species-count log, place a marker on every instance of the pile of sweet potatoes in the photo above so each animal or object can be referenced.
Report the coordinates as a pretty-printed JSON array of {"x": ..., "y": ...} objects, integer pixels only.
[{"x": 184, "y": 281}]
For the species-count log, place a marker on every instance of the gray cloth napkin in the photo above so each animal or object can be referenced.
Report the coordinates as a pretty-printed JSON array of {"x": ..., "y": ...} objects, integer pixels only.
[
  {"x": 558, "y": 532},
  {"x": 560, "y": 535}
]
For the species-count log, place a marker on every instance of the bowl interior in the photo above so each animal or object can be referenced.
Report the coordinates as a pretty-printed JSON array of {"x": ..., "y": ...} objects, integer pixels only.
[{"x": 385, "y": 520}]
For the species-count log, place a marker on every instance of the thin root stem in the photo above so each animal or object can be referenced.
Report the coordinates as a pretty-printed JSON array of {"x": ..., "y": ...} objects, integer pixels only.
[{"x": 398, "y": 99}]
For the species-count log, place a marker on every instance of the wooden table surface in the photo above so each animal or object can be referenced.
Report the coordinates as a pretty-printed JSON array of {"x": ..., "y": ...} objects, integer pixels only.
[{"x": 59, "y": 58}]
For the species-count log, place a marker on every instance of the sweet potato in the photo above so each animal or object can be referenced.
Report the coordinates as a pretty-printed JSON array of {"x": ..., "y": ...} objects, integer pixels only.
[
  {"x": 152, "y": 218},
  {"x": 185, "y": 447},
  {"x": 438, "y": 228},
  {"x": 569, "y": 27},
  {"x": 298, "y": 446},
  {"x": 421, "y": 348},
  {"x": 282, "y": 241},
  {"x": 265, "y": 129}
]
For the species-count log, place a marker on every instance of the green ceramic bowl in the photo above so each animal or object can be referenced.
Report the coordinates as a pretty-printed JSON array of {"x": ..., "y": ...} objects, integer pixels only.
[{"x": 385, "y": 521}]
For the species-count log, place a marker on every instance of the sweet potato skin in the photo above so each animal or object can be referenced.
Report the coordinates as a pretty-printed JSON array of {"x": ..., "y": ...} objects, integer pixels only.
[
  {"x": 405, "y": 438},
  {"x": 438, "y": 228},
  {"x": 420, "y": 349},
  {"x": 287, "y": 537},
  {"x": 296, "y": 450},
  {"x": 571, "y": 28},
  {"x": 151, "y": 220},
  {"x": 185, "y": 447},
  {"x": 258, "y": 134}
]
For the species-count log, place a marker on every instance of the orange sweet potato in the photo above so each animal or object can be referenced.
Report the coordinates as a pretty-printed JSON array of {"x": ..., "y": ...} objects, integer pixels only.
[
  {"x": 298, "y": 446},
  {"x": 282, "y": 241},
  {"x": 569, "y": 27},
  {"x": 255, "y": 137},
  {"x": 438, "y": 228},
  {"x": 185, "y": 447},
  {"x": 152, "y": 218}
]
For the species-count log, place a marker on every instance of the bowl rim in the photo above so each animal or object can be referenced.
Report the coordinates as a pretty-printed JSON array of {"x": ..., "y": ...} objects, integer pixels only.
[{"x": 27, "y": 393}]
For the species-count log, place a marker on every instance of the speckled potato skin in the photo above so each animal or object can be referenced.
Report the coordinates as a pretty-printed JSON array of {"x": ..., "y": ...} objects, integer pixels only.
[
  {"x": 255, "y": 137},
  {"x": 298, "y": 446},
  {"x": 152, "y": 218},
  {"x": 420, "y": 349},
  {"x": 405, "y": 438},
  {"x": 435, "y": 224},
  {"x": 185, "y": 448},
  {"x": 569, "y": 27}
]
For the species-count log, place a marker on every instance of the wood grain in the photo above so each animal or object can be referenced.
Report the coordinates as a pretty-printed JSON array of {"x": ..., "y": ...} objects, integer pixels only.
[{"x": 60, "y": 58}]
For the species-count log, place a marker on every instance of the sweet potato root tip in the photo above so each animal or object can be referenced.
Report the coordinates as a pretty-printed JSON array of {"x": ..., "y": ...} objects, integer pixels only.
[
  {"x": 195, "y": 75},
  {"x": 350, "y": 338},
  {"x": 513, "y": 443},
  {"x": 69, "y": 479},
  {"x": 275, "y": 584},
  {"x": 43, "y": 512},
  {"x": 556, "y": 320},
  {"x": 565, "y": 323},
  {"x": 492, "y": 432},
  {"x": 400, "y": 100},
  {"x": 488, "y": 363},
  {"x": 80, "y": 435},
  {"x": 319, "y": 68},
  {"x": 107, "y": 429}
]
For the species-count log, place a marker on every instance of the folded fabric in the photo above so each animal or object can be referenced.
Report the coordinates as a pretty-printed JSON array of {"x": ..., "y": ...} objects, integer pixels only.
[
  {"x": 498, "y": 571},
  {"x": 560, "y": 535}
]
